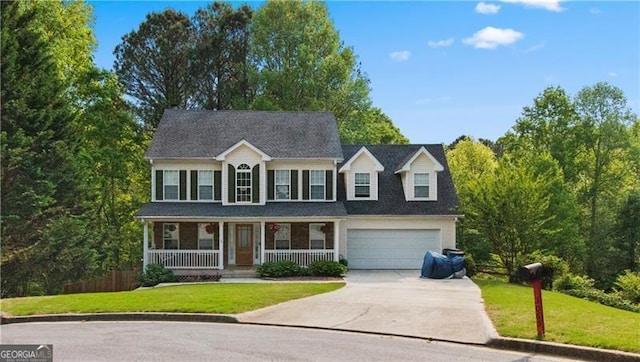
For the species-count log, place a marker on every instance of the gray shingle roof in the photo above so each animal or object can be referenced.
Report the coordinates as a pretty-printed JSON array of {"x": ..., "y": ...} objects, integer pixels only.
[
  {"x": 206, "y": 134},
  {"x": 213, "y": 210},
  {"x": 391, "y": 200}
]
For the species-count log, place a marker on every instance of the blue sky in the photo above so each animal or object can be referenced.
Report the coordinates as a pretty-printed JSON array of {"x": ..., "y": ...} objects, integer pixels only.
[{"x": 442, "y": 69}]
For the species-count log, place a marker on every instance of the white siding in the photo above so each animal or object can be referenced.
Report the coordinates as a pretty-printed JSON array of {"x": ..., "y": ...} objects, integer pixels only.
[{"x": 362, "y": 164}]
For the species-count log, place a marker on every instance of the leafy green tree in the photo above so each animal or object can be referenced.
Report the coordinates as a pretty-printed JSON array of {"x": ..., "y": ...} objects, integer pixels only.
[
  {"x": 627, "y": 240},
  {"x": 303, "y": 65},
  {"x": 152, "y": 63},
  {"x": 509, "y": 208},
  {"x": 221, "y": 57}
]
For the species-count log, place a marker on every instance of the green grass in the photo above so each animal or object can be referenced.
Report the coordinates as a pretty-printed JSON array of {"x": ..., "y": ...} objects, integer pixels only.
[
  {"x": 567, "y": 319},
  {"x": 200, "y": 298}
]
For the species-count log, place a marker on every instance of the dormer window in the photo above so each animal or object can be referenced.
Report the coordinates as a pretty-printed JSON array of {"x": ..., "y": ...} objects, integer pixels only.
[
  {"x": 243, "y": 183},
  {"x": 362, "y": 184},
  {"x": 421, "y": 185}
]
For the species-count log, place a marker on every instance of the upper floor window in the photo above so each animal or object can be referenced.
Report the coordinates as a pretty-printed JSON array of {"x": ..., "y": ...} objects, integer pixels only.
[
  {"x": 170, "y": 236},
  {"x": 243, "y": 183},
  {"x": 282, "y": 237},
  {"x": 316, "y": 184},
  {"x": 362, "y": 184},
  {"x": 171, "y": 184},
  {"x": 205, "y": 185},
  {"x": 421, "y": 185},
  {"x": 283, "y": 184}
]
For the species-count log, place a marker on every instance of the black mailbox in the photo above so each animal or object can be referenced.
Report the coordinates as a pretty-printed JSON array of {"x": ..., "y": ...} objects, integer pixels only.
[{"x": 531, "y": 272}]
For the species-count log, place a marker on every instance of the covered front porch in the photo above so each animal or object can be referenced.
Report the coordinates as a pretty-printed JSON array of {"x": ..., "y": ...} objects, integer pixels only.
[{"x": 206, "y": 246}]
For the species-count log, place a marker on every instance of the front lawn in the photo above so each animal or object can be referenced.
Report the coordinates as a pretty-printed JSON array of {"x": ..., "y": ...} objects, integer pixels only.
[
  {"x": 200, "y": 298},
  {"x": 567, "y": 319}
]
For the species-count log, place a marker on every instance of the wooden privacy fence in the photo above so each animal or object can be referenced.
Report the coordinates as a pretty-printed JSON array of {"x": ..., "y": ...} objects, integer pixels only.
[{"x": 114, "y": 281}]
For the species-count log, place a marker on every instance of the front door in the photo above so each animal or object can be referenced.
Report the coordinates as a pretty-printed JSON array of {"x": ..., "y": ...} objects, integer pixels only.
[{"x": 244, "y": 244}]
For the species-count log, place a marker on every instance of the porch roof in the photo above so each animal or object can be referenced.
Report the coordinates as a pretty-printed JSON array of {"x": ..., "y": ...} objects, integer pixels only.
[{"x": 217, "y": 210}]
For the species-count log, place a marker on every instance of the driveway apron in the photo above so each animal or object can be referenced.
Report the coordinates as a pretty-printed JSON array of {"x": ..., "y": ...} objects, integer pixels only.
[{"x": 392, "y": 302}]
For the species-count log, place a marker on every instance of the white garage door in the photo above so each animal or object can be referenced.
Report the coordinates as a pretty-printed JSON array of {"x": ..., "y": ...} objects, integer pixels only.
[{"x": 390, "y": 249}]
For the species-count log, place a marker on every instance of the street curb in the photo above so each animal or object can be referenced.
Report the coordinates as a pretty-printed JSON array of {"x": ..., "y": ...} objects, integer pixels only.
[
  {"x": 562, "y": 350},
  {"x": 511, "y": 344},
  {"x": 113, "y": 317}
]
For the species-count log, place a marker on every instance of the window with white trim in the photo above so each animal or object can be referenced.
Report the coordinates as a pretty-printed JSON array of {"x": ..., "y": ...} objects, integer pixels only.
[
  {"x": 282, "y": 237},
  {"x": 205, "y": 239},
  {"x": 283, "y": 184},
  {"x": 421, "y": 185},
  {"x": 316, "y": 236},
  {"x": 205, "y": 185},
  {"x": 243, "y": 183},
  {"x": 171, "y": 184},
  {"x": 316, "y": 184},
  {"x": 362, "y": 184},
  {"x": 170, "y": 236}
]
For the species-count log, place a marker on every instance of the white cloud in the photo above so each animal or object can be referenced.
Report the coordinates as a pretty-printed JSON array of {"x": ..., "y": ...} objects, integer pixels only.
[
  {"x": 484, "y": 8},
  {"x": 491, "y": 38},
  {"x": 440, "y": 43},
  {"x": 400, "y": 56},
  {"x": 551, "y": 5},
  {"x": 613, "y": 74},
  {"x": 534, "y": 48},
  {"x": 594, "y": 11}
]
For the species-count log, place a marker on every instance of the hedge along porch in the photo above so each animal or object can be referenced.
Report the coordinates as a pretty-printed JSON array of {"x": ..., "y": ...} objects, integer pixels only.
[{"x": 205, "y": 246}]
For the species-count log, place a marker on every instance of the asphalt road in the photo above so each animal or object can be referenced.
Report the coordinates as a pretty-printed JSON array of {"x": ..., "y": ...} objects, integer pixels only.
[{"x": 176, "y": 341}]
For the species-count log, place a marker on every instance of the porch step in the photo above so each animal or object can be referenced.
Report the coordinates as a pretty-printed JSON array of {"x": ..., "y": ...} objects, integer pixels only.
[{"x": 238, "y": 273}]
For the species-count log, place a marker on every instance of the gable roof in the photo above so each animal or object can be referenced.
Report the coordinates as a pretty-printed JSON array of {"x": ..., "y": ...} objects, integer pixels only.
[
  {"x": 405, "y": 166},
  {"x": 347, "y": 165},
  {"x": 207, "y": 134},
  {"x": 391, "y": 199}
]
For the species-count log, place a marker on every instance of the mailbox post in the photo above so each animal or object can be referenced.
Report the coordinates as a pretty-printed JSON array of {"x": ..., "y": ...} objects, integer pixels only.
[{"x": 533, "y": 274}]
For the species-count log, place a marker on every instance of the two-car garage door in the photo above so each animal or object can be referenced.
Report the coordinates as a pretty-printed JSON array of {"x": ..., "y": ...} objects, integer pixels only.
[{"x": 390, "y": 249}]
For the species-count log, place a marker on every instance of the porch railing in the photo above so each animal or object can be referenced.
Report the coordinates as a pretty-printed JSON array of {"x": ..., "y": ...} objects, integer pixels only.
[
  {"x": 301, "y": 257},
  {"x": 186, "y": 259}
]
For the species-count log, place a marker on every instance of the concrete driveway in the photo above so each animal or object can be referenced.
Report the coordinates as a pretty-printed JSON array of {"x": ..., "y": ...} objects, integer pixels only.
[{"x": 390, "y": 301}]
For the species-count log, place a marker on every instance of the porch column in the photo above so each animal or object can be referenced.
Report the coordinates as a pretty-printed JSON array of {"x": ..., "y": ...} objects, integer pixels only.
[
  {"x": 145, "y": 244},
  {"x": 262, "y": 240},
  {"x": 336, "y": 240},
  {"x": 221, "y": 244}
]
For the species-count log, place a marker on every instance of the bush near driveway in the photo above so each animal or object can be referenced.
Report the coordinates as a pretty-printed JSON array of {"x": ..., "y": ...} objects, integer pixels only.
[{"x": 326, "y": 268}]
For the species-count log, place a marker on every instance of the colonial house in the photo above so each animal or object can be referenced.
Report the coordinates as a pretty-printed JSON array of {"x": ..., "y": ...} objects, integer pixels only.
[{"x": 241, "y": 188}]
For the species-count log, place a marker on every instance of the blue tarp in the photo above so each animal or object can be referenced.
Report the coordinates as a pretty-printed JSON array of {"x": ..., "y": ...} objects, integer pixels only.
[{"x": 438, "y": 266}]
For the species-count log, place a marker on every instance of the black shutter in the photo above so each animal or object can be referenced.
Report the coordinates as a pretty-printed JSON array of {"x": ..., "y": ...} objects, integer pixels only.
[
  {"x": 194, "y": 184},
  {"x": 183, "y": 184},
  {"x": 305, "y": 184},
  {"x": 231, "y": 186},
  {"x": 270, "y": 184},
  {"x": 328, "y": 184},
  {"x": 255, "y": 184},
  {"x": 159, "y": 184},
  {"x": 217, "y": 185},
  {"x": 294, "y": 184}
]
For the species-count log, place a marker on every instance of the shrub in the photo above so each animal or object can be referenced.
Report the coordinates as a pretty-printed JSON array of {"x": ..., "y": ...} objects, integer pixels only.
[
  {"x": 278, "y": 269},
  {"x": 155, "y": 274},
  {"x": 609, "y": 299},
  {"x": 572, "y": 282},
  {"x": 627, "y": 286},
  {"x": 344, "y": 261},
  {"x": 554, "y": 267},
  {"x": 326, "y": 268},
  {"x": 470, "y": 265}
]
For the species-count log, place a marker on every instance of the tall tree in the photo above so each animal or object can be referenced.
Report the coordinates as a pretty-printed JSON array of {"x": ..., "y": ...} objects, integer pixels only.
[
  {"x": 221, "y": 57},
  {"x": 152, "y": 63},
  {"x": 303, "y": 65},
  {"x": 627, "y": 239},
  {"x": 39, "y": 177}
]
